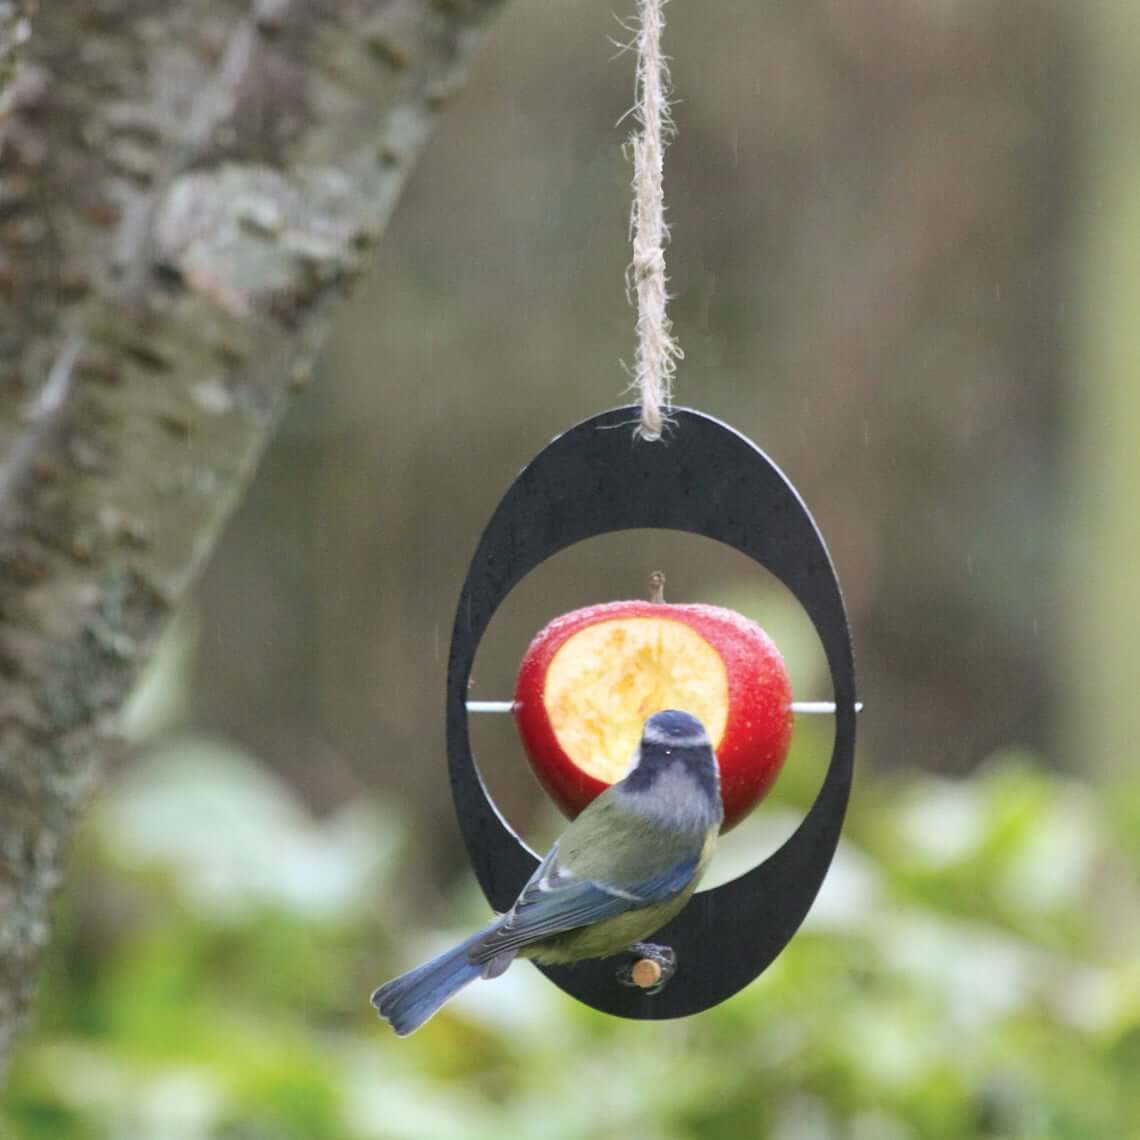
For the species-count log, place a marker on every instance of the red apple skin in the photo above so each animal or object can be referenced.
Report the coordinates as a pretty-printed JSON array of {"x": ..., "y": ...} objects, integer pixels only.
[{"x": 757, "y": 732}]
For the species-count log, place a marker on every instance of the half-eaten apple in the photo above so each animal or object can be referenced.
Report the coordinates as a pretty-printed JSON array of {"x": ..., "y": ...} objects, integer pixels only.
[{"x": 591, "y": 678}]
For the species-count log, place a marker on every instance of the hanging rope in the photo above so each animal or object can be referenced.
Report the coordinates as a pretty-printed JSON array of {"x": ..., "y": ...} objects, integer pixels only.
[{"x": 657, "y": 351}]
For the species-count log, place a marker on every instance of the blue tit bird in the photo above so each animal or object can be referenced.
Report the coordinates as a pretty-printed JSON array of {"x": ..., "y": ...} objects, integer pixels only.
[{"x": 620, "y": 871}]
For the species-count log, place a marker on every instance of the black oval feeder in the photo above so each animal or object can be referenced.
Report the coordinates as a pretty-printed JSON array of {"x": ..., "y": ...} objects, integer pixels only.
[{"x": 703, "y": 478}]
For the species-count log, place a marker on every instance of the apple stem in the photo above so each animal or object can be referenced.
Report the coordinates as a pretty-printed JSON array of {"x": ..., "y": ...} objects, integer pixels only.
[{"x": 657, "y": 588}]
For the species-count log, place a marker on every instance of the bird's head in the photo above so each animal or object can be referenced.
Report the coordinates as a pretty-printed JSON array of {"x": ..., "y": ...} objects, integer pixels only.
[{"x": 674, "y": 744}]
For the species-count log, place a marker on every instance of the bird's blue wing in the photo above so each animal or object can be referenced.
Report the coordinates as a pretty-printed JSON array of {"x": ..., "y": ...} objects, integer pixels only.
[{"x": 555, "y": 900}]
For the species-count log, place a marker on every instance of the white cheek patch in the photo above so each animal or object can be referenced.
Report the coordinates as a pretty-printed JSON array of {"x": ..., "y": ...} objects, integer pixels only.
[{"x": 634, "y": 760}]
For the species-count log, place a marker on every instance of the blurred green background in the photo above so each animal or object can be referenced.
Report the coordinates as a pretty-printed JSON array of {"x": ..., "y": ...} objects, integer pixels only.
[{"x": 906, "y": 258}]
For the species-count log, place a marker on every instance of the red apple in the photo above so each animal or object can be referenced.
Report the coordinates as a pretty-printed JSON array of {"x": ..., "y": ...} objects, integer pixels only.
[{"x": 591, "y": 678}]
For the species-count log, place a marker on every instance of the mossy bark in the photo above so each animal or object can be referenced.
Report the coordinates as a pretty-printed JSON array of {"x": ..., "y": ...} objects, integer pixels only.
[{"x": 186, "y": 193}]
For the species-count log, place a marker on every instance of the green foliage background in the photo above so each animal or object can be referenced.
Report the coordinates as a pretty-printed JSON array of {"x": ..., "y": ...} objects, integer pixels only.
[{"x": 969, "y": 970}]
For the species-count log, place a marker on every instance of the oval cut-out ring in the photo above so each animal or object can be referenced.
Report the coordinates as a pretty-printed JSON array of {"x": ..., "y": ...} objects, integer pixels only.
[{"x": 707, "y": 479}]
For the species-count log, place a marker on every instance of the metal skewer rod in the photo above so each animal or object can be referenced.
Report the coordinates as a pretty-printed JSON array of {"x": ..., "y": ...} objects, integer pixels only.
[{"x": 798, "y": 707}]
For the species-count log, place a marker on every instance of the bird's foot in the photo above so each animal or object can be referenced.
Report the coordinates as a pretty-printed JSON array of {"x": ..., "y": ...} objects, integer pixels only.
[{"x": 650, "y": 967}]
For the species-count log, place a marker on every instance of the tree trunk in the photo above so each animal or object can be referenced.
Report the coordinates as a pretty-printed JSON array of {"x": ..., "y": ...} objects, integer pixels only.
[{"x": 186, "y": 192}]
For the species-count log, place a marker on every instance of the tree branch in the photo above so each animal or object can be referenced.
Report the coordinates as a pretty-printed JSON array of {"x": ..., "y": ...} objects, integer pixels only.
[
  {"x": 15, "y": 28},
  {"x": 186, "y": 193}
]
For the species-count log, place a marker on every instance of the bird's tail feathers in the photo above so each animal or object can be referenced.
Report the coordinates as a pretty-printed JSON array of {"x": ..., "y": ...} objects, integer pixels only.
[{"x": 411, "y": 999}]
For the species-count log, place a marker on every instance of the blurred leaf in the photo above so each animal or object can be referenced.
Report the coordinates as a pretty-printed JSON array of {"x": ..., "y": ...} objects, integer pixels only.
[{"x": 232, "y": 834}]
